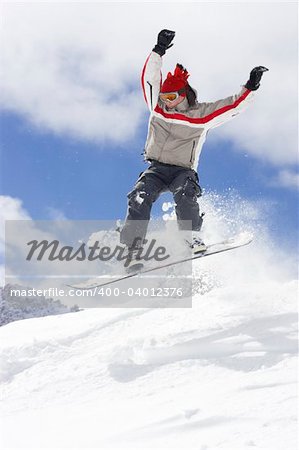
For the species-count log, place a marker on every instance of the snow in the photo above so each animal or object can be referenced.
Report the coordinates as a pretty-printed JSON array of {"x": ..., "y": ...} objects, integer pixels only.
[{"x": 219, "y": 375}]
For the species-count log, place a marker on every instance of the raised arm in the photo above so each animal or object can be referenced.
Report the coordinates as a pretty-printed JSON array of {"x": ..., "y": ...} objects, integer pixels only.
[
  {"x": 216, "y": 113},
  {"x": 151, "y": 73}
]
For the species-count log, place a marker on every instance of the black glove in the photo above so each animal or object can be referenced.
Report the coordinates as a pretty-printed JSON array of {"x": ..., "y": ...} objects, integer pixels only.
[
  {"x": 164, "y": 41},
  {"x": 255, "y": 77}
]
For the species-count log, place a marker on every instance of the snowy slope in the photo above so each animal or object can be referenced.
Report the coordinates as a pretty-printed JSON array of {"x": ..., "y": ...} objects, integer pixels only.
[{"x": 221, "y": 375}]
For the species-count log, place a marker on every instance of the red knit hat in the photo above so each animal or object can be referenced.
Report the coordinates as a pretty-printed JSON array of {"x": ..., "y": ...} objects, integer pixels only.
[{"x": 177, "y": 81}]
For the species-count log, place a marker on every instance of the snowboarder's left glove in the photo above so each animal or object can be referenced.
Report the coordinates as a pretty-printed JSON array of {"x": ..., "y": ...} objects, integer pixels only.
[
  {"x": 164, "y": 42},
  {"x": 255, "y": 77}
]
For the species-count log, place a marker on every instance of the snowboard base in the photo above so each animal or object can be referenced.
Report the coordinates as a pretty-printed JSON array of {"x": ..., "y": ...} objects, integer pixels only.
[{"x": 212, "y": 249}]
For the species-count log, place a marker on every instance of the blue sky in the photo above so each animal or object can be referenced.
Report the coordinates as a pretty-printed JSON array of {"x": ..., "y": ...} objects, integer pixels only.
[{"x": 73, "y": 119}]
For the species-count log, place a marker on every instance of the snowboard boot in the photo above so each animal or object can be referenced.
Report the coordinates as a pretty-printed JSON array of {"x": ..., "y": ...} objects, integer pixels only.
[
  {"x": 133, "y": 262},
  {"x": 197, "y": 244}
]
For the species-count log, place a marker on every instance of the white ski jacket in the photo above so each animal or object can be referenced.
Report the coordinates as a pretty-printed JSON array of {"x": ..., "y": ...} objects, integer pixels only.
[{"x": 176, "y": 137}]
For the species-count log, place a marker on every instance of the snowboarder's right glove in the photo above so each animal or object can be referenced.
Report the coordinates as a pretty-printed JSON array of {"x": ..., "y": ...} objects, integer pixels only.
[
  {"x": 255, "y": 77},
  {"x": 164, "y": 42}
]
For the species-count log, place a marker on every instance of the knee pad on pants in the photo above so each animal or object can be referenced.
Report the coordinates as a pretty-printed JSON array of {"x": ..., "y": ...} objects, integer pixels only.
[
  {"x": 143, "y": 192},
  {"x": 190, "y": 191}
]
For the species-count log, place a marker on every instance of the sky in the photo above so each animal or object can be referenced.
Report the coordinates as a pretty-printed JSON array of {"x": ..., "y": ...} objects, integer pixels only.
[{"x": 73, "y": 119}]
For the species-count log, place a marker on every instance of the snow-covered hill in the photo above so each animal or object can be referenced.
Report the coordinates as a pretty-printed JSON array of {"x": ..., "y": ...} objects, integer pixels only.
[{"x": 219, "y": 375}]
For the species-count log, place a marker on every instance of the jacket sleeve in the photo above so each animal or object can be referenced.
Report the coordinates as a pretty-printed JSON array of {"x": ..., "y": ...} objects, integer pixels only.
[
  {"x": 221, "y": 111},
  {"x": 151, "y": 79}
]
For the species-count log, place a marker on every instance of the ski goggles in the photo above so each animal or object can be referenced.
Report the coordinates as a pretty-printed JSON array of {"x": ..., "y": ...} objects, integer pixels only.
[{"x": 169, "y": 96}]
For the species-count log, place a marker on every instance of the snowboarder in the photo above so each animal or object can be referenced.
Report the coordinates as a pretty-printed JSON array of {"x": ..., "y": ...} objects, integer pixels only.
[{"x": 178, "y": 126}]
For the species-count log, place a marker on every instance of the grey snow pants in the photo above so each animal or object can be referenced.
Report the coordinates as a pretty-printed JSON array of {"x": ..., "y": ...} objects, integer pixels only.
[{"x": 158, "y": 178}]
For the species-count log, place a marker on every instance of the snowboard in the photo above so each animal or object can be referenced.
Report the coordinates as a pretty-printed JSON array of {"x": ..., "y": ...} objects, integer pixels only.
[{"x": 212, "y": 249}]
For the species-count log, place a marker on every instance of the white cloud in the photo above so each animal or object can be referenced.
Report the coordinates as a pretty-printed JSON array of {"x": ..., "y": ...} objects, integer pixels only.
[
  {"x": 18, "y": 234},
  {"x": 288, "y": 179},
  {"x": 10, "y": 209},
  {"x": 74, "y": 67},
  {"x": 55, "y": 214}
]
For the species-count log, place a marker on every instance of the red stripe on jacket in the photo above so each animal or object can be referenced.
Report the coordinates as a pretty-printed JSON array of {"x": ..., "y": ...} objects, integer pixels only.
[
  {"x": 142, "y": 78},
  {"x": 205, "y": 119}
]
